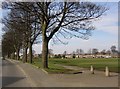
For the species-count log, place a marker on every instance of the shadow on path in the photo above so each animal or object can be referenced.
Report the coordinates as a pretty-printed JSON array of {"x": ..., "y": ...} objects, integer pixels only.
[
  {"x": 5, "y": 63},
  {"x": 10, "y": 80}
]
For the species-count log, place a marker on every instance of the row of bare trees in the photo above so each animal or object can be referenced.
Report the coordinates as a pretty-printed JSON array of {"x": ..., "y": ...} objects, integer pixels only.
[
  {"x": 28, "y": 21},
  {"x": 21, "y": 30}
]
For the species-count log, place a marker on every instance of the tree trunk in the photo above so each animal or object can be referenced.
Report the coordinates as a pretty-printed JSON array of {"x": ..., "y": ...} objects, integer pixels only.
[
  {"x": 3, "y": 58},
  {"x": 25, "y": 55},
  {"x": 45, "y": 42},
  {"x": 30, "y": 52},
  {"x": 45, "y": 53},
  {"x": 8, "y": 55},
  {"x": 17, "y": 54},
  {"x": 13, "y": 55}
]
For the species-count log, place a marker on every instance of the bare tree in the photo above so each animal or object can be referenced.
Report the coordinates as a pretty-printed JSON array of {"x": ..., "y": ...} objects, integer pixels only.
[
  {"x": 94, "y": 51},
  {"x": 7, "y": 45},
  {"x": 108, "y": 52},
  {"x": 64, "y": 54},
  {"x": 73, "y": 54},
  {"x": 113, "y": 49},
  {"x": 67, "y": 19},
  {"x": 26, "y": 19},
  {"x": 89, "y": 51},
  {"x": 11, "y": 39},
  {"x": 79, "y": 52},
  {"x": 103, "y": 52}
]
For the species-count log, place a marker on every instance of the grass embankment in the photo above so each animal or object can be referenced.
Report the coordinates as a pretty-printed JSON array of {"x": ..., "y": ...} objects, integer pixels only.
[{"x": 98, "y": 64}]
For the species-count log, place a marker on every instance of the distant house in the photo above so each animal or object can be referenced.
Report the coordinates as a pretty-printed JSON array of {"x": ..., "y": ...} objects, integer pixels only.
[
  {"x": 89, "y": 56},
  {"x": 99, "y": 55},
  {"x": 68, "y": 55},
  {"x": 51, "y": 55}
]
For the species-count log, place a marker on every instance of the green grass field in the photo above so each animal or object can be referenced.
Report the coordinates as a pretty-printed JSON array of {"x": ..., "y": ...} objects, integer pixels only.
[{"x": 98, "y": 64}]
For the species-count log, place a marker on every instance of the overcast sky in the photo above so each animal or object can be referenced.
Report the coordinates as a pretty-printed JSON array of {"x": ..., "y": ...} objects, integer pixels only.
[{"x": 103, "y": 37}]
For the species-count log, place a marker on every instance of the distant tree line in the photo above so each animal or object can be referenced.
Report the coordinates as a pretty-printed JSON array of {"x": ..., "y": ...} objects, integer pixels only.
[{"x": 94, "y": 51}]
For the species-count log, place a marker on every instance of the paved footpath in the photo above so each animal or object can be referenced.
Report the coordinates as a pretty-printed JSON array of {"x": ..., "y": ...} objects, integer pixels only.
[
  {"x": 14, "y": 76},
  {"x": 37, "y": 78}
]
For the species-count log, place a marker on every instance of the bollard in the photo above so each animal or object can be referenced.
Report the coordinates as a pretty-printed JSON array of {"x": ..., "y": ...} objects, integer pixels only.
[
  {"x": 92, "y": 69},
  {"x": 107, "y": 73}
]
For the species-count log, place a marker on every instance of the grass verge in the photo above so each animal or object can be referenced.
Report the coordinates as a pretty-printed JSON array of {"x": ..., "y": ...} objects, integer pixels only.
[
  {"x": 98, "y": 64},
  {"x": 53, "y": 68}
]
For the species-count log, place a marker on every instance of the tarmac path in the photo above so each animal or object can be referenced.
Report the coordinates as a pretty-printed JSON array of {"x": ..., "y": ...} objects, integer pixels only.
[{"x": 18, "y": 74}]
